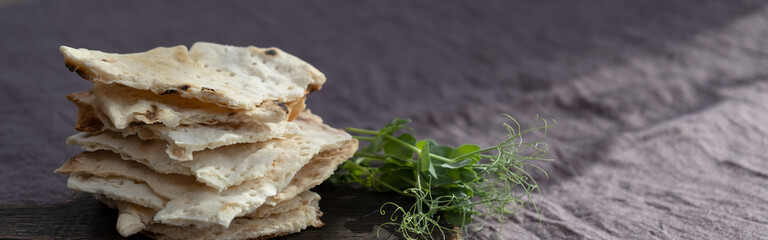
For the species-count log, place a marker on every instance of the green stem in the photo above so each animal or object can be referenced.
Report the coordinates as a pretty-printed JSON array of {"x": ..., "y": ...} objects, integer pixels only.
[
  {"x": 362, "y": 138},
  {"x": 358, "y": 130},
  {"x": 394, "y": 139},
  {"x": 381, "y": 156}
]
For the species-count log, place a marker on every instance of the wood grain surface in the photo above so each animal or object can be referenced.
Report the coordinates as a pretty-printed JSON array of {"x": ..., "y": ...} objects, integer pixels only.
[{"x": 348, "y": 213}]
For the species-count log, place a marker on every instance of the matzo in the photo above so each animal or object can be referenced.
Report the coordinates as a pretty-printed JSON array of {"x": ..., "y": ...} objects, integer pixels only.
[
  {"x": 231, "y": 77},
  {"x": 312, "y": 174},
  {"x": 123, "y": 105},
  {"x": 117, "y": 188},
  {"x": 226, "y": 166},
  {"x": 246, "y": 228},
  {"x": 315, "y": 172},
  {"x": 182, "y": 141},
  {"x": 189, "y": 201},
  {"x": 134, "y": 218}
]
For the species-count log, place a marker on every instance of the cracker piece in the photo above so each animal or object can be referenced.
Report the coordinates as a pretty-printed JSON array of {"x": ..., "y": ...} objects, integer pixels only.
[
  {"x": 226, "y": 166},
  {"x": 315, "y": 172},
  {"x": 319, "y": 169},
  {"x": 124, "y": 106},
  {"x": 228, "y": 76},
  {"x": 134, "y": 218},
  {"x": 276, "y": 225},
  {"x": 122, "y": 189},
  {"x": 182, "y": 141},
  {"x": 191, "y": 202}
]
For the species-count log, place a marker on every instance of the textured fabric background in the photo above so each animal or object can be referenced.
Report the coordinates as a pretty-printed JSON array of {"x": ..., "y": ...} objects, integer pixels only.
[{"x": 662, "y": 105}]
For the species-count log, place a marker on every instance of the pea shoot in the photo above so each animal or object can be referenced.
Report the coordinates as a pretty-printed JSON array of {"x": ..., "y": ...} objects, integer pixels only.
[{"x": 447, "y": 184}]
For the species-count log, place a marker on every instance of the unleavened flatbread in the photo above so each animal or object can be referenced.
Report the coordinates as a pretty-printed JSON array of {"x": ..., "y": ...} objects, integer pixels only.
[
  {"x": 134, "y": 218},
  {"x": 226, "y": 166},
  {"x": 228, "y": 76},
  {"x": 124, "y": 106},
  {"x": 245, "y": 228},
  {"x": 190, "y": 202},
  {"x": 182, "y": 141}
]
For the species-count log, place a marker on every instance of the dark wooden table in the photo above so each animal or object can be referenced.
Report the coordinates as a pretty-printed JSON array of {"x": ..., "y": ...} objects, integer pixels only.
[{"x": 348, "y": 213}]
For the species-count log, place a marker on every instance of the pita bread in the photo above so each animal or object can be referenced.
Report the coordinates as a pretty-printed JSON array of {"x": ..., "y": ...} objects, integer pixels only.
[
  {"x": 124, "y": 105},
  {"x": 190, "y": 202},
  {"x": 226, "y": 166},
  {"x": 228, "y": 76},
  {"x": 182, "y": 141}
]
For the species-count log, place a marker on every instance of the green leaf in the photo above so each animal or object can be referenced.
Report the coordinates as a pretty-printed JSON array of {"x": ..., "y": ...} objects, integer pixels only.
[
  {"x": 411, "y": 167},
  {"x": 443, "y": 151},
  {"x": 432, "y": 143},
  {"x": 463, "y": 149},
  {"x": 394, "y": 165},
  {"x": 420, "y": 144},
  {"x": 432, "y": 170},
  {"x": 468, "y": 175},
  {"x": 459, "y": 190},
  {"x": 457, "y": 164},
  {"x": 378, "y": 141},
  {"x": 397, "y": 149},
  {"x": 400, "y": 179},
  {"x": 394, "y": 126},
  {"x": 374, "y": 146},
  {"x": 425, "y": 163}
]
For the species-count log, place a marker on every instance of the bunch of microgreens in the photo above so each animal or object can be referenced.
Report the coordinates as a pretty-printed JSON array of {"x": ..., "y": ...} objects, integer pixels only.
[{"x": 446, "y": 183}]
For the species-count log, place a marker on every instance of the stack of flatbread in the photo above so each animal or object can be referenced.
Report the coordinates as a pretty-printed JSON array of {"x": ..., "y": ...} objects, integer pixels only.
[{"x": 211, "y": 142}]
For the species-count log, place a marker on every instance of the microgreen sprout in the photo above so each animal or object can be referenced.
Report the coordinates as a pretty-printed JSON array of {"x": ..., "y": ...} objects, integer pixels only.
[{"x": 448, "y": 184}]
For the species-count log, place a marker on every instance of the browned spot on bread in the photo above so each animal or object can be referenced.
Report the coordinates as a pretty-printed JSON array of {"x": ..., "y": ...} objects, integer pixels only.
[
  {"x": 313, "y": 87},
  {"x": 88, "y": 124},
  {"x": 84, "y": 73},
  {"x": 109, "y": 60},
  {"x": 271, "y": 52},
  {"x": 70, "y": 66},
  {"x": 169, "y": 91},
  {"x": 184, "y": 87},
  {"x": 87, "y": 121},
  {"x": 208, "y": 89},
  {"x": 231, "y": 114},
  {"x": 151, "y": 115}
]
